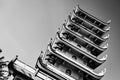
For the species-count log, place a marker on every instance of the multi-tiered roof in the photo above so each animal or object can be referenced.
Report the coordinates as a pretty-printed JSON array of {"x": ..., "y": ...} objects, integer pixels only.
[{"x": 72, "y": 55}]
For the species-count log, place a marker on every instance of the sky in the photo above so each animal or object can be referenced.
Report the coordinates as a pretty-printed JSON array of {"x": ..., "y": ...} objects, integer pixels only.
[{"x": 26, "y": 27}]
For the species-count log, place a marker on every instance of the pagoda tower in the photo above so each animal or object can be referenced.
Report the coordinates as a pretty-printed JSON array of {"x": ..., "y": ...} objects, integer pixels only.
[{"x": 73, "y": 53}]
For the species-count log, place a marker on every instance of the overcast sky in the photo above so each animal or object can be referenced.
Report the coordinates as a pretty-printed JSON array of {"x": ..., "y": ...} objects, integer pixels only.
[{"x": 26, "y": 27}]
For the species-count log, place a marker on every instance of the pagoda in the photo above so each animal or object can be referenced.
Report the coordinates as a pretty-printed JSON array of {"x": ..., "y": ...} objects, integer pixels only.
[{"x": 73, "y": 53}]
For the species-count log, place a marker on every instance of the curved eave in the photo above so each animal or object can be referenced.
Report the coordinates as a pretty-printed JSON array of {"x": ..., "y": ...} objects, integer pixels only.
[
  {"x": 79, "y": 9},
  {"x": 84, "y": 29},
  {"x": 100, "y": 34},
  {"x": 79, "y": 37},
  {"x": 43, "y": 67},
  {"x": 55, "y": 70},
  {"x": 60, "y": 53},
  {"x": 104, "y": 31},
  {"x": 79, "y": 50},
  {"x": 80, "y": 66}
]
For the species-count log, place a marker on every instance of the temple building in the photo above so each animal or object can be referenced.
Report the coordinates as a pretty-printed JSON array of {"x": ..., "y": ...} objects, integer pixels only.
[{"x": 72, "y": 54}]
